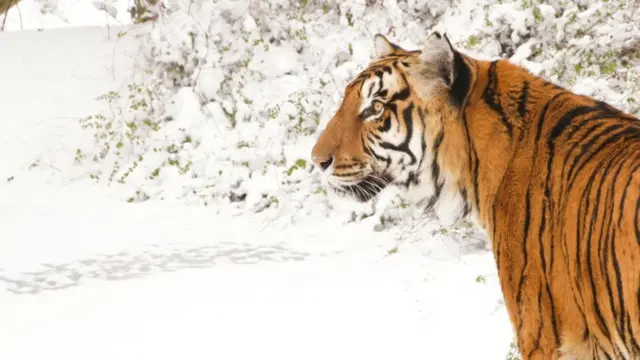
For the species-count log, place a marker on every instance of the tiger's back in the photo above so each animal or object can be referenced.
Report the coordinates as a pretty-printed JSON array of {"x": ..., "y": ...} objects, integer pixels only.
[{"x": 571, "y": 193}]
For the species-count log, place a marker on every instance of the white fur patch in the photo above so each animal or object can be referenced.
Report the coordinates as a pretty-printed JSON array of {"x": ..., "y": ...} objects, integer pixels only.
[
  {"x": 364, "y": 92},
  {"x": 449, "y": 207},
  {"x": 382, "y": 46},
  {"x": 436, "y": 50}
]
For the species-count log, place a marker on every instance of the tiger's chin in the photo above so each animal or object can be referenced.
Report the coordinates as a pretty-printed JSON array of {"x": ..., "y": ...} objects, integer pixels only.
[{"x": 363, "y": 190}]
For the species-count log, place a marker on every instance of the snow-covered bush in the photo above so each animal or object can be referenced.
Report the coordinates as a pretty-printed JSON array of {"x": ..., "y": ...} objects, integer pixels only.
[
  {"x": 231, "y": 95},
  {"x": 229, "y": 99},
  {"x": 591, "y": 47}
]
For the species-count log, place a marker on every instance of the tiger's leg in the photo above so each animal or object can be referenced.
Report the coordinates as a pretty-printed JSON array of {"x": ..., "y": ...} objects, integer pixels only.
[
  {"x": 529, "y": 307},
  {"x": 521, "y": 257},
  {"x": 529, "y": 260},
  {"x": 535, "y": 307},
  {"x": 586, "y": 349}
]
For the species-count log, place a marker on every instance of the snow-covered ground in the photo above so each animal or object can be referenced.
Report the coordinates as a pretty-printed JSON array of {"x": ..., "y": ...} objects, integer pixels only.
[{"x": 85, "y": 275}]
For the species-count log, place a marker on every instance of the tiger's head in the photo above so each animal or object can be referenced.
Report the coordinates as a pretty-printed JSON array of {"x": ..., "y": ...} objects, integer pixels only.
[{"x": 389, "y": 128}]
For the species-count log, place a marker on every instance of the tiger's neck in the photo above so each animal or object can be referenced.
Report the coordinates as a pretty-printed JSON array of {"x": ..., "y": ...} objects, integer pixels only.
[{"x": 500, "y": 107}]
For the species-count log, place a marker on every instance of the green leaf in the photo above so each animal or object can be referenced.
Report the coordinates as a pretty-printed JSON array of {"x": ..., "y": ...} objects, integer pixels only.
[{"x": 301, "y": 163}]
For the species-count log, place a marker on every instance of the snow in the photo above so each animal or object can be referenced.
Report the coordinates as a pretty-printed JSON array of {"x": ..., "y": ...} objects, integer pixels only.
[
  {"x": 197, "y": 229},
  {"x": 47, "y": 85},
  {"x": 49, "y": 14},
  {"x": 100, "y": 279}
]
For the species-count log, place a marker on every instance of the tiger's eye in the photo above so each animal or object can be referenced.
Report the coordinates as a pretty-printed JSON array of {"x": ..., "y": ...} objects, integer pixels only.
[{"x": 377, "y": 106}]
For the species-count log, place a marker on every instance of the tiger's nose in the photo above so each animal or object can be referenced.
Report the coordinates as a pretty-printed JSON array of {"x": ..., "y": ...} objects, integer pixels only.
[{"x": 323, "y": 162}]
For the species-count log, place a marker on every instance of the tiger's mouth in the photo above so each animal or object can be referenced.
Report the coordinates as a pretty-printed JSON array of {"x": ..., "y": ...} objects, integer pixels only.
[{"x": 364, "y": 190}]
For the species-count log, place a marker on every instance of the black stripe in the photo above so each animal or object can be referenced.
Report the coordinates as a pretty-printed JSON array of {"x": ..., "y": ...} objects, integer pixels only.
[
  {"x": 496, "y": 244},
  {"x": 581, "y": 219},
  {"x": 375, "y": 155},
  {"x": 567, "y": 118},
  {"x": 522, "y": 101},
  {"x": 346, "y": 166},
  {"x": 412, "y": 179},
  {"x": 437, "y": 143},
  {"x": 435, "y": 167},
  {"x": 543, "y": 117},
  {"x": 462, "y": 80},
  {"x": 403, "y": 76},
  {"x": 404, "y": 146},
  {"x": 365, "y": 147},
  {"x": 568, "y": 153},
  {"x": 585, "y": 147},
  {"x": 357, "y": 81},
  {"x": 386, "y": 125},
  {"x": 634, "y": 341},
  {"x": 378, "y": 157},
  {"x": 393, "y": 107},
  {"x": 610, "y": 140},
  {"x": 474, "y": 163},
  {"x": 637, "y": 224},
  {"x": 353, "y": 173},
  {"x": 618, "y": 113},
  {"x": 577, "y": 127},
  {"x": 467, "y": 208},
  {"x": 423, "y": 142},
  {"x": 525, "y": 240},
  {"x": 618, "y": 281},
  {"x": 606, "y": 354},
  {"x": 539, "y": 332},
  {"x": 546, "y": 83},
  {"x": 371, "y": 89},
  {"x": 624, "y": 194},
  {"x": 492, "y": 98},
  {"x": 475, "y": 173},
  {"x": 546, "y": 271},
  {"x": 401, "y": 95},
  {"x": 638, "y": 292}
]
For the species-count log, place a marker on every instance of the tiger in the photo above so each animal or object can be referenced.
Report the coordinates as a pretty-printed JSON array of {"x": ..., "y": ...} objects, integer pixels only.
[{"x": 551, "y": 176}]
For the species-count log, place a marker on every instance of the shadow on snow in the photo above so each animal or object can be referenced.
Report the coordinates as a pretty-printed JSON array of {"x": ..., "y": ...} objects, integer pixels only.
[{"x": 130, "y": 265}]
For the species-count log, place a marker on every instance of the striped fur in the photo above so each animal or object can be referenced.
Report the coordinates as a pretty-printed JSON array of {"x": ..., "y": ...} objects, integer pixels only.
[{"x": 552, "y": 176}]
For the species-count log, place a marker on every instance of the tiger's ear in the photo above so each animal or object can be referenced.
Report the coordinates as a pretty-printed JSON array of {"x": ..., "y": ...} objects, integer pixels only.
[
  {"x": 438, "y": 57},
  {"x": 383, "y": 47}
]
